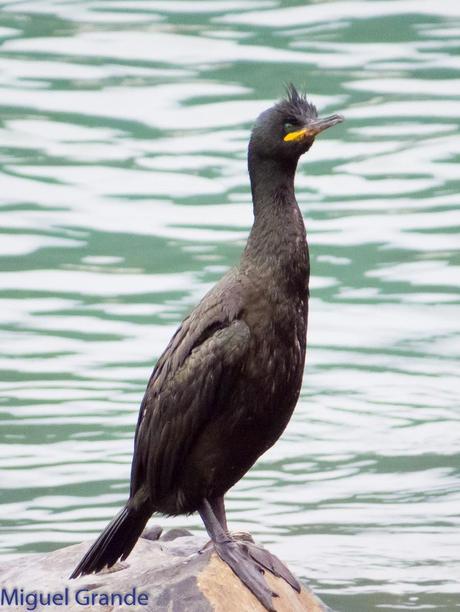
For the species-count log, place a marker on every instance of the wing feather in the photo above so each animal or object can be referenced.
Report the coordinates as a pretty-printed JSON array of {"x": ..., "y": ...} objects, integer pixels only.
[{"x": 200, "y": 363}]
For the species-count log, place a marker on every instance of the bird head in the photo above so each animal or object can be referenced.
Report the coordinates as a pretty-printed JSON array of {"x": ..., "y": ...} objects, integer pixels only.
[{"x": 288, "y": 129}]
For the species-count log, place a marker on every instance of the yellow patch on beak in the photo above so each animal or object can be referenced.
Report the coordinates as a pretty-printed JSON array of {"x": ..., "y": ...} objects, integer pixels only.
[{"x": 297, "y": 135}]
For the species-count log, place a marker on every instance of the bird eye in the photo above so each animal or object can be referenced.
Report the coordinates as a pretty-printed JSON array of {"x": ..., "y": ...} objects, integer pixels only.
[{"x": 289, "y": 127}]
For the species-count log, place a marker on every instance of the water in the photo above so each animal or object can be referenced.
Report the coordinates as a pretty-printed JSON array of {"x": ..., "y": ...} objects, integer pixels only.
[{"x": 125, "y": 196}]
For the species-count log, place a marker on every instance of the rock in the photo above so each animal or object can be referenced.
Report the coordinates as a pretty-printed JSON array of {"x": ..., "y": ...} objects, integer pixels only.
[{"x": 164, "y": 573}]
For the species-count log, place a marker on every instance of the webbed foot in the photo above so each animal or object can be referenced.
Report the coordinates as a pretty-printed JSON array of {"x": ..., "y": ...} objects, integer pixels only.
[
  {"x": 247, "y": 560},
  {"x": 271, "y": 562},
  {"x": 238, "y": 557}
]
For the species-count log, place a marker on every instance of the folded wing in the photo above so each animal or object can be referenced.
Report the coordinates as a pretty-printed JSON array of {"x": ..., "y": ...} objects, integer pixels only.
[{"x": 188, "y": 387}]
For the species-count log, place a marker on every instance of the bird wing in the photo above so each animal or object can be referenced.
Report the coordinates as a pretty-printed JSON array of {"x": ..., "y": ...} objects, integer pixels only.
[{"x": 197, "y": 368}]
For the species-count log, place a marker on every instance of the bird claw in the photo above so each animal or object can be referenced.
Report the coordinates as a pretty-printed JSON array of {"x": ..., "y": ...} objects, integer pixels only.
[{"x": 204, "y": 548}]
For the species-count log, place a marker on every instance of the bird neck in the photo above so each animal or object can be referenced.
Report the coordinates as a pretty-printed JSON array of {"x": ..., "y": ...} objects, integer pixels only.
[
  {"x": 277, "y": 244},
  {"x": 269, "y": 176}
]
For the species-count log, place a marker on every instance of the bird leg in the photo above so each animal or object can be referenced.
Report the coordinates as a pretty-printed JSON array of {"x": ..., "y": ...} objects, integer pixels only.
[
  {"x": 236, "y": 556},
  {"x": 218, "y": 507}
]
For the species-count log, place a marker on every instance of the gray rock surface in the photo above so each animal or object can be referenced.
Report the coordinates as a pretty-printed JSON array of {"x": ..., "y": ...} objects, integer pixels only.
[{"x": 164, "y": 573}]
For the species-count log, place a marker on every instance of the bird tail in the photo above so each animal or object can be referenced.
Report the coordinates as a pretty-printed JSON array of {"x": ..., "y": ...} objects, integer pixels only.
[{"x": 116, "y": 541}]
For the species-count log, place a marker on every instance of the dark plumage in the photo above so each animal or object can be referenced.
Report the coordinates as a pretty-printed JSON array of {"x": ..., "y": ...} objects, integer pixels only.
[{"x": 225, "y": 387}]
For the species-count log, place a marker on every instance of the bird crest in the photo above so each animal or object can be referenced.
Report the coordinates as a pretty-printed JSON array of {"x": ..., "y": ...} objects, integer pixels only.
[{"x": 296, "y": 104}]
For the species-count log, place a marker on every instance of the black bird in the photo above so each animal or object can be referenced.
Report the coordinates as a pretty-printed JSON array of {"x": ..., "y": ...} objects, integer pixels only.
[{"x": 224, "y": 389}]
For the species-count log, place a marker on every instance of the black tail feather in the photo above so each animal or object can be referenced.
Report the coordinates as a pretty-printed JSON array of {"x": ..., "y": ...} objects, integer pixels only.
[{"x": 115, "y": 542}]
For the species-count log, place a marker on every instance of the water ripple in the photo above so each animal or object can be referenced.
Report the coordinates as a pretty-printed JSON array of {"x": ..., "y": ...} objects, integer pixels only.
[{"x": 125, "y": 196}]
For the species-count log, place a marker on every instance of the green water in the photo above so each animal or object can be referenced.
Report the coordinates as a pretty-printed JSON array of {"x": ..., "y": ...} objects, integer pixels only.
[{"x": 124, "y": 196}]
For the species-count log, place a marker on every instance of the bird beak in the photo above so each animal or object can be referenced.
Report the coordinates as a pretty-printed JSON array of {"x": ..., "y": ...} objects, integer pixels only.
[{"x": 313, "y": 128}]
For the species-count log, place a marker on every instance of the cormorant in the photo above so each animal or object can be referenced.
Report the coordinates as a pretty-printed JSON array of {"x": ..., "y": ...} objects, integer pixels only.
[{"x": 224, "y": 389}]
